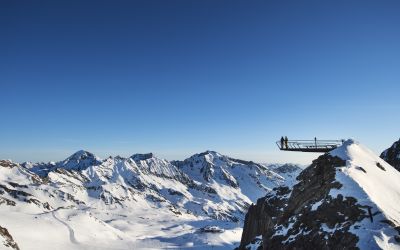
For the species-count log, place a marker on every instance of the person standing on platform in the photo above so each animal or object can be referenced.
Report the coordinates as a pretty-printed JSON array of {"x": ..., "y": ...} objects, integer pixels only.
[
  {"x": 286, "y": 142},
  {"x": 282, "y": 142}
]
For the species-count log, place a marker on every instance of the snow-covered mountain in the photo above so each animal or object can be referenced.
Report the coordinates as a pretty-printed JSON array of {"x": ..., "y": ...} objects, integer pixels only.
[
  {"x": 392, "y": 155},
  {"x": 346, "y": 199},
  {"x": 138, "y": 202},
  {"x": 78, "y": 161}
]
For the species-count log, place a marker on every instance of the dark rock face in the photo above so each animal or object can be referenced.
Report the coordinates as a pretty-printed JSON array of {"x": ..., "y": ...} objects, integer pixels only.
[
  {"x": 8, "y": 240},
  {"x": 207, "y": 170},
  {"x": 287, "y": 168},
  {"x": 314, "y": 184},
  {"x": 261, "y": 218},
  {"x": 229, "y": 179},
  {"x": 6, "y": 201},
  {"x": 392, "y": 155},
  {"x": 211, "y": 229},
  {"x": 79, "y": 161},
  {"x": 7, "y": 164},
  {"x": 142, "y": 157},
  {"x": 306, "y": 217}
]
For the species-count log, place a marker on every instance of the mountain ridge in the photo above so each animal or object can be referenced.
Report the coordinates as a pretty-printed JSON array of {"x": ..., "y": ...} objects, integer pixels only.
[
  {"x": 116, "y": 193},
  {"x": 345, "y": 199}
]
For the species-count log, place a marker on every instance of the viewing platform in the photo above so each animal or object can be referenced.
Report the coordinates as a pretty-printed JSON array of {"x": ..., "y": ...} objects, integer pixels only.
[{"x": 316, "y": 146}]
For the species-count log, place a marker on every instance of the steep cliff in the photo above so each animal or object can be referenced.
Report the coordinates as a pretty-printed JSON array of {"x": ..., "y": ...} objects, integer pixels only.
[
  {"x": 392, "y": 155},
  {"x": 345, "y": 199}
]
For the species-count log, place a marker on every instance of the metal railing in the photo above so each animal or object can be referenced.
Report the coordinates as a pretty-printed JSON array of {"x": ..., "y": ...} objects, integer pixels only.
[{"x": 309, "y": 145}]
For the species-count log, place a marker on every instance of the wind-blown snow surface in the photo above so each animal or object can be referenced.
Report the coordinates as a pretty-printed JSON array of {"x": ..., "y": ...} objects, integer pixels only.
[
  {"x": 140, "y": 202},
  {"x": 376, "y": 184}
]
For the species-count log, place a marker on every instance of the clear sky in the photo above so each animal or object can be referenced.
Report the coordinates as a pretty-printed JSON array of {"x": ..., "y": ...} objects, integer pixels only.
[{"x": 180, "y": 77}]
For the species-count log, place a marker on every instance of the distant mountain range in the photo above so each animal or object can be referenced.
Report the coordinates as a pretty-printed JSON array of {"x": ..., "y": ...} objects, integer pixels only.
[
  {"x": 137, "y": 202},
  {"x": 346, "y": 199}
]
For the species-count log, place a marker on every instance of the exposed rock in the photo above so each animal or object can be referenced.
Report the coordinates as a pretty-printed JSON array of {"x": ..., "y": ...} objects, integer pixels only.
[
  {"x": 18, "y": 194},
  {"x": 6, "y": 201},
  {"x": 287, "y": 168},
  {"x": 309, "y": 218},
  {"x": 174, "y": 192},
  {"x": 261, "y": 218},
  {"x": 380, "y": 166},
  {"x": 207, "y": 170},
  {"x": 392, "y": 155},
  {"x": 211, "y": 229},
  {"x": 8, "y": 164},
  {"x": 16, "y": 185},
  {"x": 229, "y": 179},
  {"x": 142, "y": 157},
  {"x": 79, "y": 161},
  {"x": 7, "y": 239}
]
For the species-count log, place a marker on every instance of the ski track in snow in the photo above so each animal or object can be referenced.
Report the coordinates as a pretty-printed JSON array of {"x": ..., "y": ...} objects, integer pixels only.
[{"x": 71, "y": 231}]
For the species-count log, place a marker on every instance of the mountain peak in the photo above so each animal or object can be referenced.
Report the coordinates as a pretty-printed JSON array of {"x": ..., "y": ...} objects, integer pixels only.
[
  {"x": 343, "y": 150},
  {"x": 81, "y": 153},
  {"x": 373, "y": 175},
  {"x": 142, "y": 157},
  {"x": 349, "y": 192},
  {"x": 79, "y": 160},
  {"x": 211, "y": 153},
  {"x": 7, "y": 163}
]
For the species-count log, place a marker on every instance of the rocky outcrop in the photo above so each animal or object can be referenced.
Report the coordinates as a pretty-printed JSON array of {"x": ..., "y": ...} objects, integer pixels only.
[
  {"x": 142, "y": 157},
  {"x": 308, "y": 217},
  {"x": 7, "y": 239},
  {"x": 392, "y": 155},
  {"x": 287, "y": 168},
  {"x": 7, "y": 164},
  {"x": 261, "y": 217}
]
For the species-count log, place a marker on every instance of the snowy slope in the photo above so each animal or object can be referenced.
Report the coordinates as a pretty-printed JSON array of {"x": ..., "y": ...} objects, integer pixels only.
[
  {"x": 288, "y": 171},
  {"x": 374, "y": 183},
  {"x": 78, "y": 161},
  {"x": 346, "y": 199},
  {"x": 140, "y": 202},
  {"x": 213, "y": 169}
]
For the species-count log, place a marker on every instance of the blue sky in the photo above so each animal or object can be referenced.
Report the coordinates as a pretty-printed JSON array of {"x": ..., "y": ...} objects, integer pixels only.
[{"x": 180, "y": 77}]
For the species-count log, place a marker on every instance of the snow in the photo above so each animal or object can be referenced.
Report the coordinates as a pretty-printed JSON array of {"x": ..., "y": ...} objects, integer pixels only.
[
  {"x": 381, "y": 186},
  {"x": 373, "y": 187},
  {"x": 283, "y": 230},
  {"x": 256, "y": 243},
  {"x": 316, "y": 205},
  {"x": 141, "y": 202},
  {"x": 385, "y": 242},
  {"x": 144, "y": 202}
]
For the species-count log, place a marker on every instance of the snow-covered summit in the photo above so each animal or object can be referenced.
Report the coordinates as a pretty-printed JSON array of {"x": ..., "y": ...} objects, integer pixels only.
[
  {"x": 148, "y": 163},
  {"x": 347, "y": 198},
  {"x": 215, "y": 170},
  {"x": 80, "y": 160},
  {"x": 375, "y": 179},
  {"x": 117, "y": 202}
]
